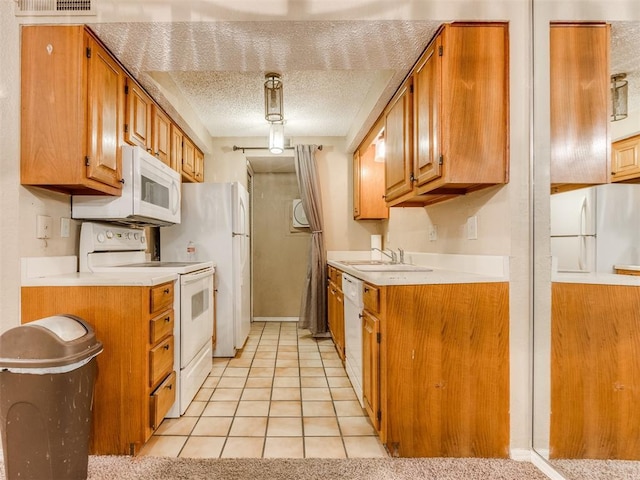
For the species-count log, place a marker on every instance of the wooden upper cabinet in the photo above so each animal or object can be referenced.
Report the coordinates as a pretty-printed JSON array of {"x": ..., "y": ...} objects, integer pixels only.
[
  {"x": 175, "y": 153},
  {"x": 188, "y": 160},
  {"x": 426, "y": 84},
  {"x": 625, "y": 160},
  {"x": 580, "y": 95},
  {"x": 198, "y": 166},
  {"x": 137, "y": 129},
  {"x": 459, "y": 126},
  {"x": 72, "y": 109},
  {"x": 161, "y": 135},
  {"x": 397, "y": 136},
  {"x": 368, "y": 177}
]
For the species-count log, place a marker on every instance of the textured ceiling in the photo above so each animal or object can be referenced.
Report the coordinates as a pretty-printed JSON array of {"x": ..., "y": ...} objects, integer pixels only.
[
  {"x": 625, "y": 58},
  {"x": 337, "y": 75}
]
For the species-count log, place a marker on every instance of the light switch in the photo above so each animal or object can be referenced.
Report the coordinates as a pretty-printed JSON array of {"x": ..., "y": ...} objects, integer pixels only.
[
  {"x": 433, "y": 233},
  {"x": 44, "y": 226}
]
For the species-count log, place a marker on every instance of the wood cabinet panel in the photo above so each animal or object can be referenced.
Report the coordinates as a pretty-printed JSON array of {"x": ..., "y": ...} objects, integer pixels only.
[
  {"x": 397, "y": 136},
  {"x": 595, "y": 371},
  {"x": 369, "y": 177},
  {"x": 580, "y": 105},
  {"x": 121, "y": 419},
  {"x": 371, "y": 297},
  {"x": 162, "y": 399},
  {"x": 161, "y": 135},
  {"x": 438, "y": 337},
  {"x": 175, "y": 156},
  {"x": 188, "y": 160},
  {"x": 161, "y": 326},
  {"x": 371, "y": 367},
  {"x": 161, "y": 297},
  {"x": 137, "y": 129},
  {"x": 72, "y": 110},
  {"x": 198, "y": 166},
  {"x": 160, "y": 361},
  {"x": 625, "y": 160}
]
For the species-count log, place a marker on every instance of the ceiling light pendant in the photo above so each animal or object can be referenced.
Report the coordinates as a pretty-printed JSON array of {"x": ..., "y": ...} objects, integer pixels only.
[
  {"x": 276, "y": 138},
  {"x": 273, "y": 111},
  {"x": 618, "y": 96}
]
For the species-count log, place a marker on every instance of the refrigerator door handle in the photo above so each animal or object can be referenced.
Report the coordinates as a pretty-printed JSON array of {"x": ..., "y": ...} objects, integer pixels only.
[
  {"x": 583, "y": 253},
  {"x": 583, "y": 216}
]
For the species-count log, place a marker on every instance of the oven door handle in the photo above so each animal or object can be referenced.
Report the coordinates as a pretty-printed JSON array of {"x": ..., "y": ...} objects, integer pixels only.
[{"x": 194, "y": 277}]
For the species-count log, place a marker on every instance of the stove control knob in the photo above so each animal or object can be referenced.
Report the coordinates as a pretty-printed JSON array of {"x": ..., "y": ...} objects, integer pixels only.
[
  {"x": 143, "y": 239},
  {"x": 126, "y": 235},
  {"x": 136, "y": 236},
  {"x": 109, "y": 234},
  {"x": 101, "y": 237}
]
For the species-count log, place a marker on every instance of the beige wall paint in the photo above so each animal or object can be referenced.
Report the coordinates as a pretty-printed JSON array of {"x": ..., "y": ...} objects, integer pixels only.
[{"x": 280, "y": 252}]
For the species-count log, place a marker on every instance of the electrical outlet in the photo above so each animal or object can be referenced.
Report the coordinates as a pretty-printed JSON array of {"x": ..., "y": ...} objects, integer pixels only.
[
  {"x": 472, "y": 228},
  {"x": 44, "y": 226},
  {"x": 65, "y": 225},
  {"x": 433, "y": 233}
]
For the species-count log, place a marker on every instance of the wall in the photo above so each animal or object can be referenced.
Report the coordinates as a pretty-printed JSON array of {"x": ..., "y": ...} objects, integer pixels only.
[
  {"x": 280, "y": 252},
  {"x": 341, "y": 231}
]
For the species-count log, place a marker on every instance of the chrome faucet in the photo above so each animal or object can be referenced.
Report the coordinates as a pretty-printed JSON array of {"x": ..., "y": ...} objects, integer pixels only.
[
  {"x": 391, "y": 254},
  {"x": 401, "y": 252}
]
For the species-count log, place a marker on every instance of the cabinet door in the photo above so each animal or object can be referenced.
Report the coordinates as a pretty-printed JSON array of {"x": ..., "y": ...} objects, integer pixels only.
[
  {"x": 339, "y": 323},
  {"x": 356, "y": 184},
  {"x": 137, "y": 129},
  {"x": 105, "y": 97},
  {"x": 625, "y": 161},
  {"x": 188, "y": 159},
  {"x": 426, "y": 104},
  {"x": 198, "y": 165},
  {"x": 371, "y": 367},
  {"x": 579, "y": 105},
  {"x": 161, "y": 135},
  {"x": 398, "y": 157},
  {"x": 176, "y": 148}
]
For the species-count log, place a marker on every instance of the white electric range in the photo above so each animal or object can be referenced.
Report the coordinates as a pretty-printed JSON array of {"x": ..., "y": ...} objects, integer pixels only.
[{"x": 116, "y": 249}]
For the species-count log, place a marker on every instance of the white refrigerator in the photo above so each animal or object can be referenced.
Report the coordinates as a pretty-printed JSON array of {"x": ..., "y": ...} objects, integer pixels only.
[
  {"x": 595, "y": 228},
  {"x": 215, "y": 220}
]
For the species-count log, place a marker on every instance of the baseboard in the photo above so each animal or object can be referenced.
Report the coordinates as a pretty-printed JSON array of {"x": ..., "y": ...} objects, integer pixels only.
[
  {"x": 544, "y": 466},
  {"x": 275, "y": 319},
  {"x": 520, "y": 454}
]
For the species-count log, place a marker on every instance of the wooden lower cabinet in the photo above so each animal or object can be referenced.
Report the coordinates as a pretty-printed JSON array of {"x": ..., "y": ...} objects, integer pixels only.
[
  {"x": 335, "y": 310},
  {"x": 445, "y": 370},
  {"x": 135, "y": 384},
  {"x": 371, "y": 367},
  {"x": 595, "y": 371}
]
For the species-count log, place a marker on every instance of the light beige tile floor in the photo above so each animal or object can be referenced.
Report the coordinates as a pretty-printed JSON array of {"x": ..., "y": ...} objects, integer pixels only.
[{"x": 285, "y": 395}]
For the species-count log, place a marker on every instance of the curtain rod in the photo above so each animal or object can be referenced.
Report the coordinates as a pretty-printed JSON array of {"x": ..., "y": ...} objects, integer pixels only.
[{"x": 235, "y": 147}]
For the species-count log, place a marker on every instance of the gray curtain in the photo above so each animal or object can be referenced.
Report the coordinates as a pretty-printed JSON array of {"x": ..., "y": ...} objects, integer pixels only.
[{"x": 313, "y": 309}]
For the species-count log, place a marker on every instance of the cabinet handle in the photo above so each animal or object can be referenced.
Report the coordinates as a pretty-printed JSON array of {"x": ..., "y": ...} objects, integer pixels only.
[
  {"x": 166, "y": 290},
  {"x": 167, "y": 347},
  {"x": 170, "y": 386},
  {"x": 360, "y": 315},
  {"x": 366, "y": 289},
  {"x": 167, "y": 319},
  {"x": 121, "y": 181}
]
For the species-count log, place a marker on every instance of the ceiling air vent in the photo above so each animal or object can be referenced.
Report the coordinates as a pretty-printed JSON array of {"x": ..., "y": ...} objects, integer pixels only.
[{"x": 54, "y": 7}]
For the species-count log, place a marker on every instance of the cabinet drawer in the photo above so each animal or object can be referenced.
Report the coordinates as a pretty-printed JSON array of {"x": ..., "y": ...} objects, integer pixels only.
[
  {"x": 160, "y": 326},
  {"x": 161, "y": 297},
  {"x": 162, "y": 399},
  {"x": 371, "y": 298},
  {"x": 160, "y": 361}
]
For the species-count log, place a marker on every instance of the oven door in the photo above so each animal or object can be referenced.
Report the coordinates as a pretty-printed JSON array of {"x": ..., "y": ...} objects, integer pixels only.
[{"x": 196, "y": 313}]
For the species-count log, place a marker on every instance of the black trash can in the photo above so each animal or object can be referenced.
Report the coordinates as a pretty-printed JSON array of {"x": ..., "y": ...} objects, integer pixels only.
[{"x": 47, "y": 376}]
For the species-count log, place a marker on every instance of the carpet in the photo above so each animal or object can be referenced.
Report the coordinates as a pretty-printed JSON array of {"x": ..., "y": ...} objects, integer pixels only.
[
  {"x": 156, "y": 468},
  {"x": 597, "y": 469}
]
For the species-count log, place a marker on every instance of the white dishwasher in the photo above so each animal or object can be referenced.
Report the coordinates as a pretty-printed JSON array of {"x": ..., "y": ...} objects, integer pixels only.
[{"x": 352, "y": 288}]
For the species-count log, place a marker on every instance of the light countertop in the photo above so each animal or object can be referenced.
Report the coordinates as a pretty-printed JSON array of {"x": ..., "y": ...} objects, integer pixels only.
[
  {"x": 445, "y": 269},
  {"x": 596, "y": 278},
  {"x": 61, "y": 272}
]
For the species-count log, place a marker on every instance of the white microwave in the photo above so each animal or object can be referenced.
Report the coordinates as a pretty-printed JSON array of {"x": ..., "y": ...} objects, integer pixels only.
[{"x": 150, "y": 194}]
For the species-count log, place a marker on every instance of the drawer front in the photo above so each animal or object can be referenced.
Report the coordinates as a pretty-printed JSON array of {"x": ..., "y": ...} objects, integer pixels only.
[
  {"x": 371, "y": 298},
  {"x": 161, "y": 326},
  {"x": 161, "y": 297},
  {"x": 162, "y": 399},
  {"x": 160, "y": 361}
]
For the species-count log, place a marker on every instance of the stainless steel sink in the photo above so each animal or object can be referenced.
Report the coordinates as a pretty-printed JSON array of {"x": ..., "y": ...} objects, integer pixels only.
[{"x": 391, "y": 267}]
